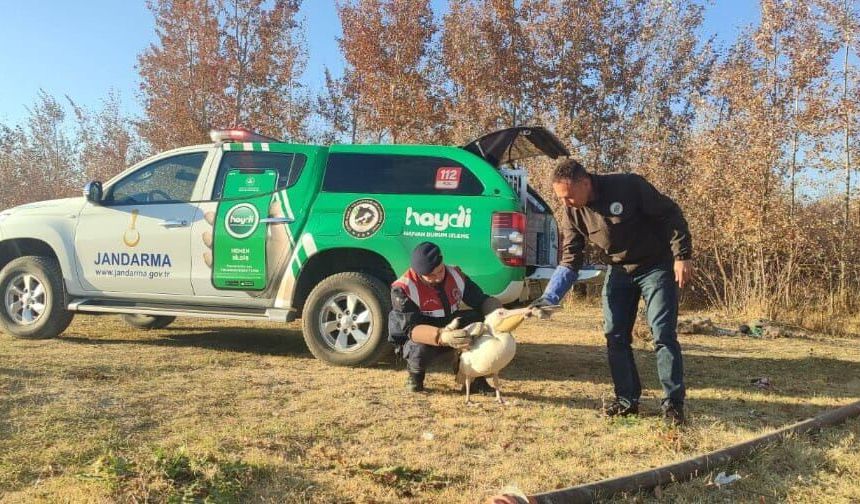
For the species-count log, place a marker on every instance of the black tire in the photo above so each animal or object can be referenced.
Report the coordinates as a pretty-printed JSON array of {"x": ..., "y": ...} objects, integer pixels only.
[
  {"x": 53, "y": 318},
  {"x": 147, "y": 321},
  {"x": 373, "y": 295}
]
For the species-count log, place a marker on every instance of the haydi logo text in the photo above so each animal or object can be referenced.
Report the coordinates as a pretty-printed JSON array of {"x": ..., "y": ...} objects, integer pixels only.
[
  {"x": 440, "y": 221},
  {"x": 240, "y": 220}
]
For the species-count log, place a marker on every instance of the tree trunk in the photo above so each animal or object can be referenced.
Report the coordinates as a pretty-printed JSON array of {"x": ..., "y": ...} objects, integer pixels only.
[
  {"x": 847, "y": 201},
  {"x": 794, "y": 157}
]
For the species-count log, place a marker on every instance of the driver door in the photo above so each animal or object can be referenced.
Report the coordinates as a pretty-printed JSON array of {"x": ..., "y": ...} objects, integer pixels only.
[{"x": 137, "y": 240}]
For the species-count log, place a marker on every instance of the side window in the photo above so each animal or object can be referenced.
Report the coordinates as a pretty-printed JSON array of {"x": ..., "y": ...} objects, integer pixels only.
[
  {"x": 169, "y": 180},
  {"x": 394, "y": 174},
  {"x": 289, "y": 167}
]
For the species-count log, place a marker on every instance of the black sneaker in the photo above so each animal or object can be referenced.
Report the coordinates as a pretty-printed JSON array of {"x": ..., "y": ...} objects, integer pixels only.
[
  {"x": 479, "y": 386},
  {"x": 415, "y": 382},
  {"x": 618, "y": 408},
  {"x": 673, "y": 414}
]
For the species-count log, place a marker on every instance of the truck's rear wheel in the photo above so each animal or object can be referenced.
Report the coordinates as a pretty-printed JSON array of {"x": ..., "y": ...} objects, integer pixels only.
[
  {"x": 34, "y": 298},
  {"x": 148, "y": 321},
  {"x": 345, "y": 319}
]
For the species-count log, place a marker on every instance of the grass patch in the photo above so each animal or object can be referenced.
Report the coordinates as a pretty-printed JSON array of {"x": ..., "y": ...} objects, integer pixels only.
[
  {"x": 172, "y": 476},
  {"x": 225, "y": 412},
  {"x": 405, "y": 481}
]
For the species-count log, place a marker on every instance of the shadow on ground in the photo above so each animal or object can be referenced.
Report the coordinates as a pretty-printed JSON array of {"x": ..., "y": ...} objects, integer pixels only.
[
  {"x": 793, "y": 377},
  {"x": 234, "y": 339},
  {"x": 564, "y": 368},
  {"x": 566, "y": 365}
]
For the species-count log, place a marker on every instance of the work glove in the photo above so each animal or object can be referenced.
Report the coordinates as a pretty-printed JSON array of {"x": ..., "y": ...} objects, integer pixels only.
[
  {"x": 561, "y": 281},
  {"x": 455, "y": 338},
  {"x": 476, "y": 329}
]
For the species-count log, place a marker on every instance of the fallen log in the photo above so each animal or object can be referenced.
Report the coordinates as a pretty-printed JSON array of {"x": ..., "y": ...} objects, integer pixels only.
[{"x": 689, "y": 468}]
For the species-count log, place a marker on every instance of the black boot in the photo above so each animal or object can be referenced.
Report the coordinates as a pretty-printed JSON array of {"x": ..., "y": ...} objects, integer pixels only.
[
  {"x": 415, "y": 382},
  {"x": 673, "y": 414},
  {"x": 620, "y": 408}
]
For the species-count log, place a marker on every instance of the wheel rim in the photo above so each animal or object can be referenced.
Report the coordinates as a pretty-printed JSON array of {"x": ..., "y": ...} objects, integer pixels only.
[
  {"x": 345, "y": 322},
  {"x": 25, "y": 299}
]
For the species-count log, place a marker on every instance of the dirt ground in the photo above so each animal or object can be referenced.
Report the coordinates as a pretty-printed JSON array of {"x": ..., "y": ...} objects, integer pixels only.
[{"x": 233, "y": 411}]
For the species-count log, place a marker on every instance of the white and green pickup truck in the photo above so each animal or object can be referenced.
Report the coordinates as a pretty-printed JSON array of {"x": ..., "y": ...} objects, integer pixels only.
[{"x": 251, "y": 228}]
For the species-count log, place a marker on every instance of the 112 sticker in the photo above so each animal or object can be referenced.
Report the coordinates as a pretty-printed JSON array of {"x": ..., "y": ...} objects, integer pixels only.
[{"x": 448, "y": 177}]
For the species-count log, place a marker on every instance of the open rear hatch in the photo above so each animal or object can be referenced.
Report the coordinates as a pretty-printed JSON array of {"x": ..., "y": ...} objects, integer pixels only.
[
  {"x": 505, "y": 150},
  {"x": 505, "y": 147}
]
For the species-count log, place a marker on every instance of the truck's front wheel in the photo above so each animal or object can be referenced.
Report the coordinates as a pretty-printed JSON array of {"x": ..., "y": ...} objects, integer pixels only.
[
  {"x": 34, "y": 298},
  {"x": 345, "y": 319}
]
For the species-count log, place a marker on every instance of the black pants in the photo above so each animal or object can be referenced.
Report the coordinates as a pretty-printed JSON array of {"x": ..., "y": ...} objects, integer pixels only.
[{"x": 420, "y": 356}]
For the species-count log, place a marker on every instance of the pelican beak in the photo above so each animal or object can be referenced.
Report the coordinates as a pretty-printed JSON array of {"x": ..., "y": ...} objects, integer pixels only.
[{"x": 508, "y": 324}]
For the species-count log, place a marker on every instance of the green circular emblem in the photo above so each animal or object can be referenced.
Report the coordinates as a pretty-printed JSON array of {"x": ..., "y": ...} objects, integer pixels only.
[
  {"x": 362, "y": 218},
  {"x": 242, "y": 220}
]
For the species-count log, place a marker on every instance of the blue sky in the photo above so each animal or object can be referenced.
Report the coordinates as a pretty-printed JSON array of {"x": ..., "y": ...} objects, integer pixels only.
[{"x": 84, "y": 49}]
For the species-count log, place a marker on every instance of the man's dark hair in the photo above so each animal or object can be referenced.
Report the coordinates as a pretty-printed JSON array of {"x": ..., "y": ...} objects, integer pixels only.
[{"x": 568, "y": 169}]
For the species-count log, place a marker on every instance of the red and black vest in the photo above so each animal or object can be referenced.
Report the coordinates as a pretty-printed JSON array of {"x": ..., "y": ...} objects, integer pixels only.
[{"x": 427, "y": 296}]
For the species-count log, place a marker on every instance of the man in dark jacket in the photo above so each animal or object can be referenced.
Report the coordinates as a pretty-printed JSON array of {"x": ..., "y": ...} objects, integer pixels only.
[
  {"x": 424, "y": 301},
  {"x": 648, "y": 242}
]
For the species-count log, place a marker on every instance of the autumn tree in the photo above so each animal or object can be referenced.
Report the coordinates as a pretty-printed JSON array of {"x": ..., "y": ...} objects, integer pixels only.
[
  {"x": 610, "y": 76},
  {"x": 219, "y": 63},
  {"x": 490, "y": 65},
  {"x": 183, "y": 75},
  {"x": 14, "y": 171},
  {"x": 106, "y": 139},
  {"x": 52, "y": 152},
  {"x": 843, "y": 18},
  {"x": 389, "y": 63},
  {"x": 808, "y": 50},
  {"x": 264, "y": 57},
  {"x": 49, "y": 155},
  {"x": 336, "y": 107},
  {"x": 37, "y": 158},
  {"x": 618, "y": 78},
  {"x": 672, "y": 76},
  {"x": 760, "y": 126}
]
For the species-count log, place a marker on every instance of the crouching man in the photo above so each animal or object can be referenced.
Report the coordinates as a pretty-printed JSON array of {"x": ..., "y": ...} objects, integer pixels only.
[{"x": 424, "y": 301}]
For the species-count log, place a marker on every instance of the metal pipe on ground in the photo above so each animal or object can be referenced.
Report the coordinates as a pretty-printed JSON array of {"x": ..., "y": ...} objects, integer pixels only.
[{"x": 689, "y": 468}]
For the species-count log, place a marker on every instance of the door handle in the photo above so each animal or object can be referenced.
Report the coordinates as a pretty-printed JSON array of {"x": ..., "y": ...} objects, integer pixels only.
[
  {"x": 173, "y": 223},
  {"x": 277, "y": 220}
]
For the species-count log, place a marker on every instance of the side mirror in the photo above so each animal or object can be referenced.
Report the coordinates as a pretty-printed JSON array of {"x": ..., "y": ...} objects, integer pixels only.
[{"x": 93, "y": 192}]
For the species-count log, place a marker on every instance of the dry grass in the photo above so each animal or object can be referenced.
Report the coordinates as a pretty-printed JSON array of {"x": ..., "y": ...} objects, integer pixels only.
[
  {"x": 823, "y": 319},
  {"x": 229, "y": 412}
]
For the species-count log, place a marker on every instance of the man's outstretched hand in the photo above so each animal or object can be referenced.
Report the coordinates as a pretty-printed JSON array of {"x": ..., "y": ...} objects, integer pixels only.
[
  {"x": 540, "y": 302},
  {"x": 542, "y": 308}
]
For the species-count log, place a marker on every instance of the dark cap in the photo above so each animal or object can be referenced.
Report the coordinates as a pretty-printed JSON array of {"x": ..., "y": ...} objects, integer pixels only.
[{"x": 425, "y": 258}]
